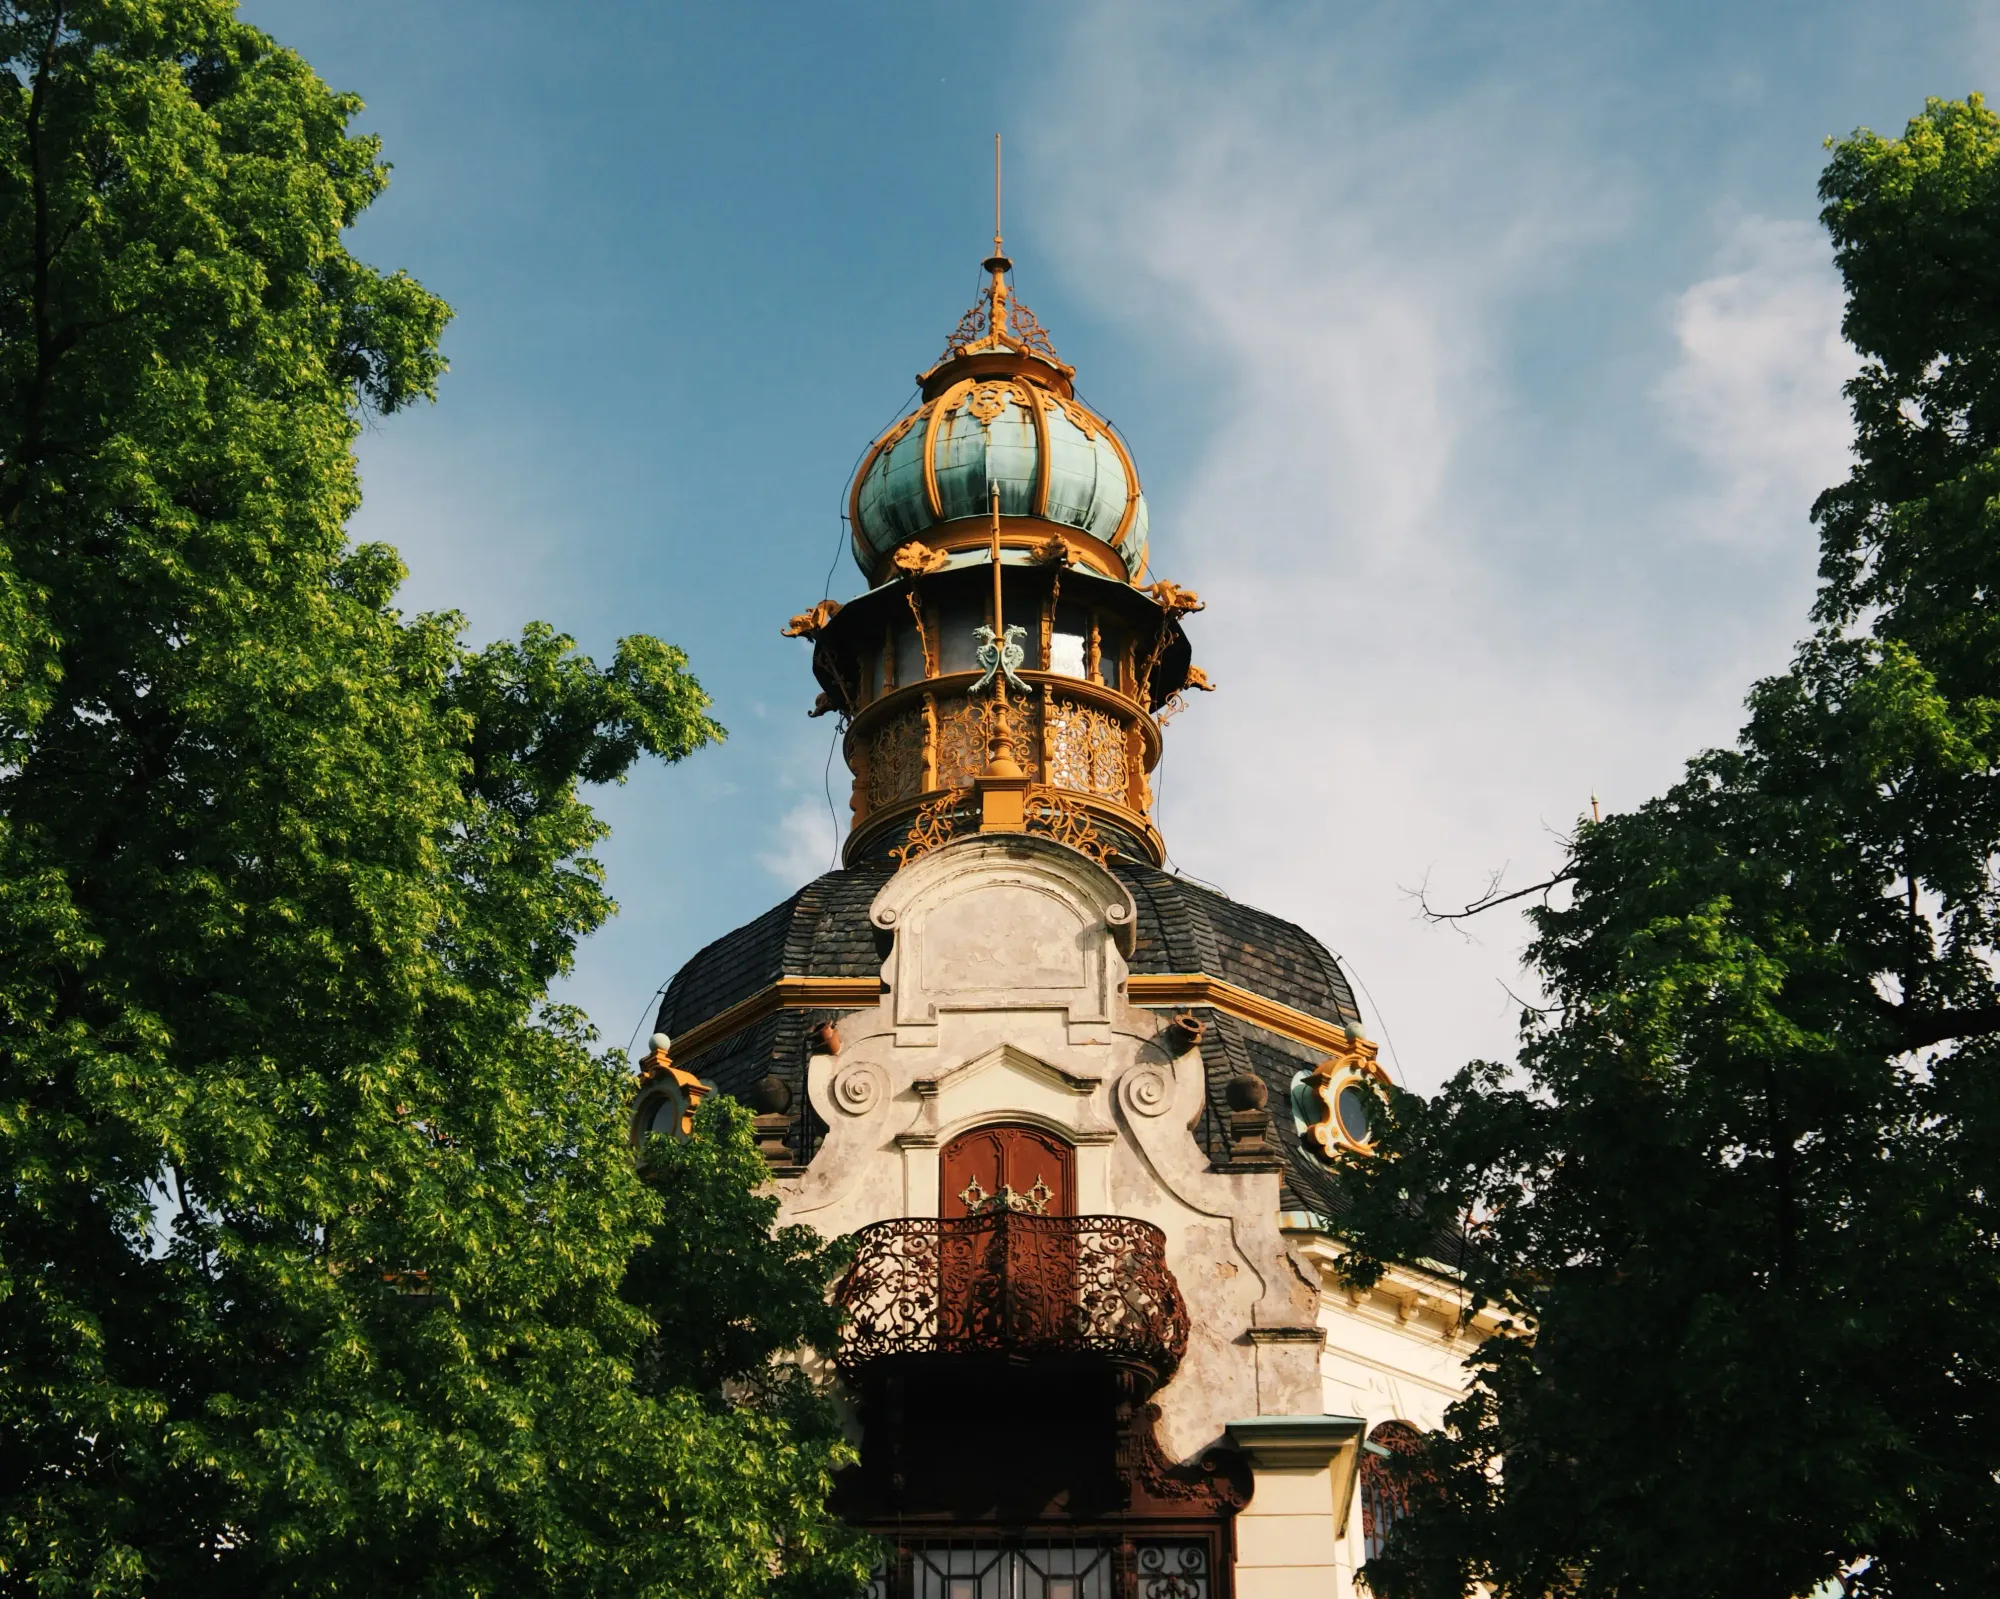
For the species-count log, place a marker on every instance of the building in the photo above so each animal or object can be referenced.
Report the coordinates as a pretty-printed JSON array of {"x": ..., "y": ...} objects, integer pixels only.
[{"x": 1077, "y": 1111}]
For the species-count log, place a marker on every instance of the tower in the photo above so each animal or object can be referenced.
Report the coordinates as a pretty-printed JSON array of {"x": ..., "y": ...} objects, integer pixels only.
[{"x": 1081, "y": 1116}]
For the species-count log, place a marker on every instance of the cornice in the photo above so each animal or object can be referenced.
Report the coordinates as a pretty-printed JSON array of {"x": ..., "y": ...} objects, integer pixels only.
[
  {"x": 1141, "y": 988},
  {"x": 787, "y": 993},
  {"x": 1199, "y": 989}
]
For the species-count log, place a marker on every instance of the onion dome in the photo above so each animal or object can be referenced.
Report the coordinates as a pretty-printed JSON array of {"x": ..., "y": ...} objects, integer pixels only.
[{"x": 997, "y": 410}]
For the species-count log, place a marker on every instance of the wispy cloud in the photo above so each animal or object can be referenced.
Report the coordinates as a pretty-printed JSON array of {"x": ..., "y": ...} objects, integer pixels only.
[
  {"x": 803, "y": 845},
  {"x": 1756, "y": 392},
  {"x": 1448, "y": 599}
]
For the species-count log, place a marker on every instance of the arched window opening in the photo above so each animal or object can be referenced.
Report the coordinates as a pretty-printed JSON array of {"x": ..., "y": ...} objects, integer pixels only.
[{"x": 1385, "y": 1491}]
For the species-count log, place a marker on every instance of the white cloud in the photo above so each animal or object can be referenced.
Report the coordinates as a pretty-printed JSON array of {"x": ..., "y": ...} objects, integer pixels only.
[
  {"x": 804, "y": 845},
  {"x": 1756, "y": 393},
  {"x": 1443, "y": 609}
]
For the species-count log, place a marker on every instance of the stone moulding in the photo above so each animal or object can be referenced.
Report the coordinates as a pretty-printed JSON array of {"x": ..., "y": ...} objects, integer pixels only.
[
  {"x": 1004, "y": 924},
  {"x": 1150, "y": 989}
]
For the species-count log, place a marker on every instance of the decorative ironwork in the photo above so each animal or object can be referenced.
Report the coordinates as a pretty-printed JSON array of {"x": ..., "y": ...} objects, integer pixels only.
[
  {"x": 808, "y": 624},
  {"x": 1044, "y": 1568},
  {"x": 999, "y": 655},
  {"x": 1388, "y": 1474},
  {"x": 1082, "y": 420},
  {"x": 1013, "y": 1283},
  {"x": 1173, "y": 1571},
  {"x": 1020, "y": 327},
  {"x": 970, "y": 330},
  {"x": 1035, "y": 1202},
  {"x": 1086, "y": 750},
  {"x": 918, "y": 559},
  {"x": 988, "y": 400},
  {"x": 1051, "y": 813},
  {"x": 1175, "y": 600},
  {"x": 895, "y": 435},
  {"x": 934, "y": 826},
  {"x": 961, "y": 750},
  {"x": 1024, "y": 328},
  {"x": 923, "y": 633},
  {"x": 896, "y": 760}
]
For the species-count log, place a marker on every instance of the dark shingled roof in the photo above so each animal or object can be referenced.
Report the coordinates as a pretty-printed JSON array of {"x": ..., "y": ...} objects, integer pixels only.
[{"x": 823, "y": 931}]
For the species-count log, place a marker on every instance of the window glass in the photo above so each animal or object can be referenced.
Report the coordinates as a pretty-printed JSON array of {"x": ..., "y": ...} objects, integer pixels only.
[
  {"x": 1385, "y": 1492},
  {"x": 909, "y": 654},
  {"x": 1354, "y": 1118},
  {"x": 1111, "y": 653},
  {"x": 958, "y": 650},
  {"x": 1066, "y": 644}
]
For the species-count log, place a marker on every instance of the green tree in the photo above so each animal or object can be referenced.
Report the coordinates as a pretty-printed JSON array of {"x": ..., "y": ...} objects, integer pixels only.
[
  {"x": 1739, "y": 1193},
  {"x": 316, "y": 1215}
]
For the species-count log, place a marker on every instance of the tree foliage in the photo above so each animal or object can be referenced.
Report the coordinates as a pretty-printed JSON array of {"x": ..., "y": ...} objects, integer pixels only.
[
  {"x": 1738, "y": 1195},
  {"x": 315, "y": 1214}
]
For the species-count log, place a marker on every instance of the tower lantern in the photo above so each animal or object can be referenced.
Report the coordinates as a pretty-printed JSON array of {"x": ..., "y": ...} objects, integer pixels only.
[{"x": 1001, "y": 493}]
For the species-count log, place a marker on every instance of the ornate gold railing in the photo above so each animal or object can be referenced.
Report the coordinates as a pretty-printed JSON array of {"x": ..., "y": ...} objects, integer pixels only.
[{"x": 1014, "y": 1284}]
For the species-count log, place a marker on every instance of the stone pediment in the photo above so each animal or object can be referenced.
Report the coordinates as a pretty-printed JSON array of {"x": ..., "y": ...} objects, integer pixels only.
[
  {"x": 1007, "y": 1082},
  {"x": 1004, "y": 923}
]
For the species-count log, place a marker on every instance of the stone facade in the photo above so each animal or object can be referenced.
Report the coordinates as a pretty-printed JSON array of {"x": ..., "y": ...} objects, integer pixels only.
[{"x": 1005, "y": 962}]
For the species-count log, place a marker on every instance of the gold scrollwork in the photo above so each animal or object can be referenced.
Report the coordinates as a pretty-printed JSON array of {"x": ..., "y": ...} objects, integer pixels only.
[
  {"x": 1018, "y": 326},
  {"x": 894, "y": 436},
  {"x": 1051, "y": 813},
  {"x": 1086, "y": 750},
  {"x": 896, "y": 760},
  {"x": 1025, "y": 329},
  {"x": 988, "y": 400},
  {"x": 810, "y": 624},
  {"x": 918, "y": 559},
  {"x": 963, "y": 732},
  {"x": 961, "y": 752},
  {"x": 1084, "y": 422},
  {"x": 1175, "y": 600},
  {"x": 934, "y": 826}
]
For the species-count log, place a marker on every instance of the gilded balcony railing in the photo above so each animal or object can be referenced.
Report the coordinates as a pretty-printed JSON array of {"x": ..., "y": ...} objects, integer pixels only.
[{"x": 1014, "y": 1284}]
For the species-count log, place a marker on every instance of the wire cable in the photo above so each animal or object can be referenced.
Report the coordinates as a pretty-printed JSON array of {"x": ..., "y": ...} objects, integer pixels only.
[{"x": 632, "y": 1042}]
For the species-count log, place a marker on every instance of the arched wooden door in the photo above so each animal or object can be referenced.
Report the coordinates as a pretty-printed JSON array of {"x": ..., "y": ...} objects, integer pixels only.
[
  {"x": 1032, "y": 1170},
  {"x": 1007, "y": 1261}
]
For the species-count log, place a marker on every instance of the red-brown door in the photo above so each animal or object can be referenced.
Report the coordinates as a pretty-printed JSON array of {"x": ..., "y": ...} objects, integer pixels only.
[
  {"x": 1036, "y": 1167},
  {"x": 1008, "y": 1263}
]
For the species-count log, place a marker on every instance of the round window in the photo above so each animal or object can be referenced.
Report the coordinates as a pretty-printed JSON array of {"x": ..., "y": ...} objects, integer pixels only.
[
  {"x": 1354, "y": 1113},
  {"x": 663, "y": 1116}
]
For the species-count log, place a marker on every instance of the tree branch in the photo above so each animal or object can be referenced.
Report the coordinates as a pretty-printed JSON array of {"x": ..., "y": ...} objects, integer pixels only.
[
  {"x": 1920, "y": 1029},
  {"x": 1488, "y": 898}
]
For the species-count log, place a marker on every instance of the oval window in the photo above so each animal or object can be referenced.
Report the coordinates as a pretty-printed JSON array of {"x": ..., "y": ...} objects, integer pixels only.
[
  {"x": 663, "y": 1119},
  {"x": 1354, "y": 1117}
]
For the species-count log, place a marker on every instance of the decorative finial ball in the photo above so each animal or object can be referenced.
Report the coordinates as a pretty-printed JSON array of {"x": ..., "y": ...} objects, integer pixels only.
[
  {"x": 662, "y": 1043},
  {"x": 772, "y": 1096},
  {"x": 1246, "y": 1092}
]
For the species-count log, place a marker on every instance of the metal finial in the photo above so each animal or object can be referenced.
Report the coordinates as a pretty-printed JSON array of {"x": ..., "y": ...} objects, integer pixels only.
[{"x": 997, "y": 263}]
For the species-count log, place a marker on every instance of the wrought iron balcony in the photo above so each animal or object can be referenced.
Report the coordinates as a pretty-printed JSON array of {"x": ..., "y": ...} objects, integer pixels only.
[{"x": 1014, "y": 1284}]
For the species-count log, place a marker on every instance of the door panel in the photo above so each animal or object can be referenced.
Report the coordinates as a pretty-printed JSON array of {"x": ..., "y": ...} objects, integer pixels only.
[
  {"x": 1036, "y": 1166},
  {"x": 1007, "y": 1264}
]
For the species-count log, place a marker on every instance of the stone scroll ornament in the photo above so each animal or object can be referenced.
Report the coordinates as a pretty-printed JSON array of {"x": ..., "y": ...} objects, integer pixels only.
[
  {"x": 859, "y": 1088},
  {"x": 1147, "y": 1089}
]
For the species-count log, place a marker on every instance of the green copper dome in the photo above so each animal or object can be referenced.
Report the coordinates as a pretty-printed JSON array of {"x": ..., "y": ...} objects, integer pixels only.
[{"x": 998, "y": 412}]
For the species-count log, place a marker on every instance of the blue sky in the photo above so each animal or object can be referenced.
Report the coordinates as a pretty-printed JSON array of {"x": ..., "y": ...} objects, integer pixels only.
[{"x": 1481, "y": 364}]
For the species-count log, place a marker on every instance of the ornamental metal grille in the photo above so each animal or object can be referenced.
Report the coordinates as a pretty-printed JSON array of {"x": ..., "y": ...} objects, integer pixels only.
[
  {"x": 1011, "y": 1282},
  {"x": 1051, "y": 1569}
]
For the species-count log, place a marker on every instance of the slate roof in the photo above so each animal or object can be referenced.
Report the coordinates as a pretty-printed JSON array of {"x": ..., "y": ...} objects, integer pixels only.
[{"x": 823, "y": 931}]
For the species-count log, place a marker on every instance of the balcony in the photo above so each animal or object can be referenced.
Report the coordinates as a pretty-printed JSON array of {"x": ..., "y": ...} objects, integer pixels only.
[{"x": 1014, "y": 1285}]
